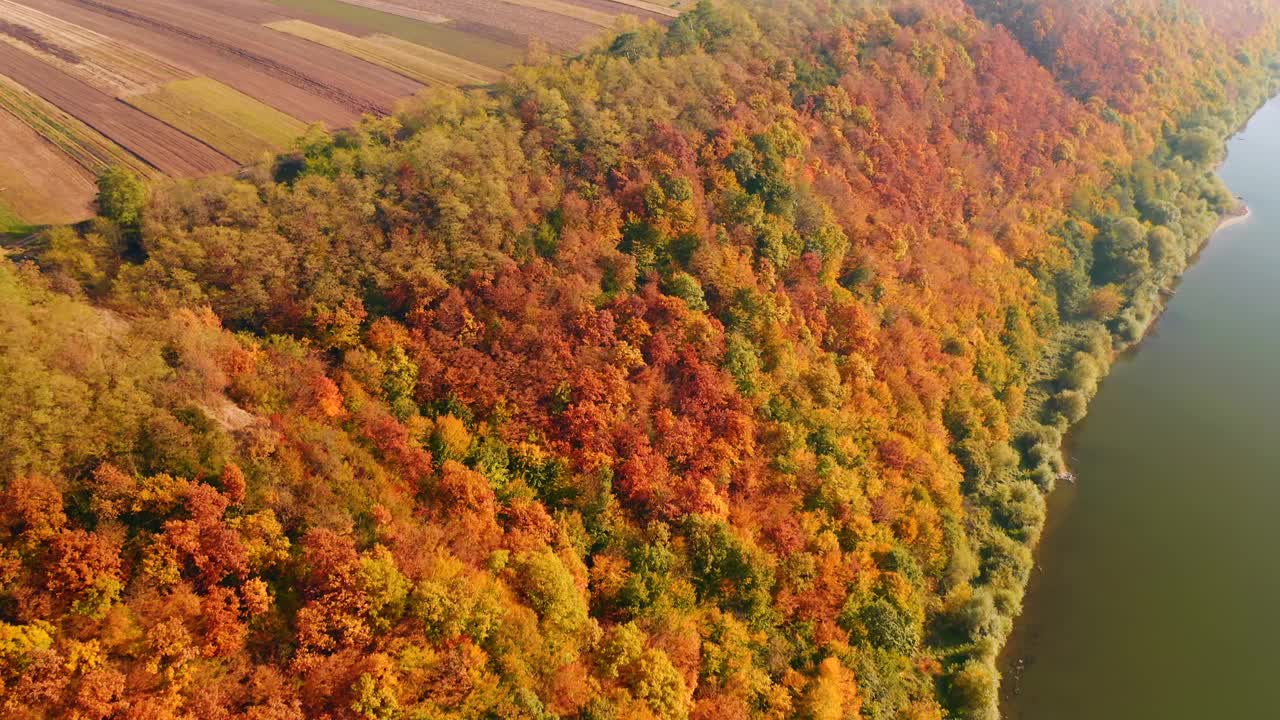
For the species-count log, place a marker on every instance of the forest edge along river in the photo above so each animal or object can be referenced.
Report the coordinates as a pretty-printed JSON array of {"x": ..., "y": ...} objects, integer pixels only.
[{"x": 1153, "y": 593}]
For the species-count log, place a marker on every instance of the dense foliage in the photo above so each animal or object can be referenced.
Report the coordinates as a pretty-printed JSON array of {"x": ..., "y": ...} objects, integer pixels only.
[{"x": 718, "y": 372}]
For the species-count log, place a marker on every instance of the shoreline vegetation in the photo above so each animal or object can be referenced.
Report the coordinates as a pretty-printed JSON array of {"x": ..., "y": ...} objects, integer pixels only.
[
  {"x": 1239, "y": 213},
  {"x": 718, "y": 372},
  {"x": 1131, "y": 337}
]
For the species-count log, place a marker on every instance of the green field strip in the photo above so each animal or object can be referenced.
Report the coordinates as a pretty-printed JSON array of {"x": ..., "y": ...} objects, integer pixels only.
[
  {"x": 11, "y": 224},
  {"x": 392, "y": 8},
  {"x": 442, "y": 37},
  {"x": 90, "y": 149},
  {"x": 411, "y": 60},
  {"x": 439, "y": 65},
  {"x": 568, "y": 10},
  {"x": 227, "y": 120}
]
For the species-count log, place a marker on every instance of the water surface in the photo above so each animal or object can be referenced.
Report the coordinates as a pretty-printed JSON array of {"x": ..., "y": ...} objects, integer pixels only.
[{"x": 1157, "y": 588}]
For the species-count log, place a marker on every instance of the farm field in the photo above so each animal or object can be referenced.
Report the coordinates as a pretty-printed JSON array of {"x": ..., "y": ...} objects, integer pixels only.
[
  {"x": 563, "y": 24},
  {"x": 202, "y": 87},
  {"x": 360, "y": 86},
  {"x": 234, "y": 70},
  {"x": 662, "y": 8}
]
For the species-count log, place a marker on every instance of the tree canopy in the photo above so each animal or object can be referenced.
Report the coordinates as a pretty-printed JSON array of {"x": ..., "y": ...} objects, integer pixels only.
[{"x": 717, "y": 371}]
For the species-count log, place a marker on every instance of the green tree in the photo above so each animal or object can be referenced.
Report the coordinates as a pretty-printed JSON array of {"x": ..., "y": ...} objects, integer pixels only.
[
  {"x": 550, "y": 589},
  {"x": 1199, "y": 145},
  {"x": 1121, "y": 253},
  {"x": 385, "y": 587},
  {"x": 881, "y": 624},
  {"x": 121, "y": 196}
]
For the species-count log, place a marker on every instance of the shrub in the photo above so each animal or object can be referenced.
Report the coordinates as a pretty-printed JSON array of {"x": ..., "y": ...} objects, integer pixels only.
[
  {"x": 1073, "y": 404},
  {"x": 973, "y": 692}
]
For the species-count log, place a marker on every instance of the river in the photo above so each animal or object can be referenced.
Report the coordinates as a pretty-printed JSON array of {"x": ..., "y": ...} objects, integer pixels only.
[{"x": 1156, "y": 593}]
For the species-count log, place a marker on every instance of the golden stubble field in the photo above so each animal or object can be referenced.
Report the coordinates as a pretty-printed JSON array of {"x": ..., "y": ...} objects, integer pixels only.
[{"x": 194, "y": 88}]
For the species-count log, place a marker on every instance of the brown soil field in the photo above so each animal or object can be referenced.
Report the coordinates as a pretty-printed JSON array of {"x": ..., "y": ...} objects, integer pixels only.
[
  {"x": 35, "y": 176},
  {"x": 238, "y": 72},
  {"x": 359, "y": 86},
  {"x": 163, "y": 147}
]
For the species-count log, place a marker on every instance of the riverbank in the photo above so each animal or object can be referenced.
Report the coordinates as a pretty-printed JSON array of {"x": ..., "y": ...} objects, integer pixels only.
[
  {"x": 1019, "y": 651},
  {"x": 1242, "y": 216}
]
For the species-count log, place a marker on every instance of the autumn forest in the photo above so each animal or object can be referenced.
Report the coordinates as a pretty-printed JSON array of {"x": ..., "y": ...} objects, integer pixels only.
[{"x": 718, "y": 371}]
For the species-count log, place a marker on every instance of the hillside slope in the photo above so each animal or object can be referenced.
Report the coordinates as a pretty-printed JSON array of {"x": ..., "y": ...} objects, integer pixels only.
[{"x": 718, "y": 372}]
